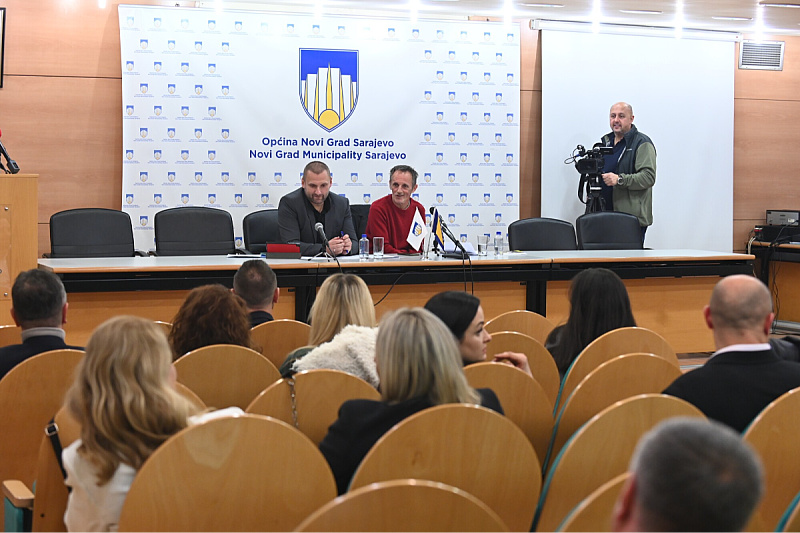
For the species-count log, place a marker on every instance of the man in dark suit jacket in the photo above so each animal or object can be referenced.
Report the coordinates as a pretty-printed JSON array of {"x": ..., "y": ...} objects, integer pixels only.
[
  {"x": 257, "y": 285},
  {"x": 300, "y": 210},
  {"x": 39, "y": 307},
  {"x": 744, "y": 375}
]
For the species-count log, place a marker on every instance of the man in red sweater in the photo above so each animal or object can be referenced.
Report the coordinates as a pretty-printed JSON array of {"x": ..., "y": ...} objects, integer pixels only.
[{"x": 391, "y": 217}]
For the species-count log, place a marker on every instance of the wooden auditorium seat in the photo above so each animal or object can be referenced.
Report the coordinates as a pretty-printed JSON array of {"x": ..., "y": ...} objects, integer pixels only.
[
  {"x": 543, "y": 366},
  {"x": 225, "y": 375},
  {"x": 522, "y": 321},
  {"x": 466, "y": 446},
  {"x": 596, "y": 511},
  {"x": 310, "y": 400},
  {"x": 276, "y": 338}
]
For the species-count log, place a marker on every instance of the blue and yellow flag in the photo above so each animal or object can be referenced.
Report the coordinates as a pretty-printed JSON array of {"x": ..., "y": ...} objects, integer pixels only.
[{"x": 436, "y": 229}]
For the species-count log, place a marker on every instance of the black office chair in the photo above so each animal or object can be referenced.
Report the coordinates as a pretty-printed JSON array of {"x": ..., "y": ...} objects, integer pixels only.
[
  {"x": 541, "y": 234},
  {"x": 260, "y": 228},
  {"x": 91, "y": 232},
  {"x": 194, "y": 231},
  {"x": 360, "y": 214},
  {"x": 609, "y": 230}
]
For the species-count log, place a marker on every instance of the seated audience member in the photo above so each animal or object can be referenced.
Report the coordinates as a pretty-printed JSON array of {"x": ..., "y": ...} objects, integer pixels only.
[
  {"x": 463, "y": 315},
  {"x": 211, "y": 314},
  {"x": 39, "y": 307},
  {"x": 342, "y": 335},
  {"x": 690, "y": 474},
  {"x": 392, "y": 216},
  {"x": 124, "y": 400},
  {"x": 256, "y": 284},
  {"x": 419, "y": 367},
  {"x": 599, "y": 303},
  {"x": 301, "y": 210},
  {"x": 744, "y": 375}
]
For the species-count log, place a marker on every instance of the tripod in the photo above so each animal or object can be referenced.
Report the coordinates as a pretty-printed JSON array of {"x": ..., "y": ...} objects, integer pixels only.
[{"x": 594, "y": 199}]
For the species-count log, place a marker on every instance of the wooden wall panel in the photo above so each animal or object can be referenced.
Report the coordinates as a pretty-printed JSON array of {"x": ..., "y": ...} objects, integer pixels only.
[
  {"x": 771, "y": 84},
  {"x": 530, "y": 169},
  {"x": 530, "y": 58}
]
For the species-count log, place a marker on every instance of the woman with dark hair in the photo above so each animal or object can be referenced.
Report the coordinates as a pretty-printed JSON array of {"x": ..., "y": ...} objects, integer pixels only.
[
  {"x": 463, "y": 315},
  {"x": 211, "y": 314},
  {"x": 599, "y": 303}
]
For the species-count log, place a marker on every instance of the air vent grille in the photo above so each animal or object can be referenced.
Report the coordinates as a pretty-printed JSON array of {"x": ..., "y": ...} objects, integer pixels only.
[{"x": 761, "y": 55}]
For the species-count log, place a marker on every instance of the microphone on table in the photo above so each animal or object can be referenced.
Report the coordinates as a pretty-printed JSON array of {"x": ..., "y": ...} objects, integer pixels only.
[
  {"x": 325, "y": 248},
  {"x": 13, "y": 167}
]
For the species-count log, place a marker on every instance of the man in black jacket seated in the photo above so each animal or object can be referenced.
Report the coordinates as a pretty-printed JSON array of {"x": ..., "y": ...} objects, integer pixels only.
[
  {"x": 39, "y": 307},
  {"x": 256, "y": 284},
  {"x": 744, "y": 375},
  {"x": 300, "y": 211}
]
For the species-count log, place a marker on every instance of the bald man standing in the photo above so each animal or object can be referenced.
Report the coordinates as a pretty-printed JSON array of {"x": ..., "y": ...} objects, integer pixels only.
[
  {"x": 744, "y": 375},
  {"x": 629, "y": 173}
]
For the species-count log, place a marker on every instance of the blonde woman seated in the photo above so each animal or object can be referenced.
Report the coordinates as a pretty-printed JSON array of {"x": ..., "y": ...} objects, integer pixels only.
[
  {"x": 342, "y": 335},
  {"x": 419, "y": 367},
  {"x": 124, "y": 399}
]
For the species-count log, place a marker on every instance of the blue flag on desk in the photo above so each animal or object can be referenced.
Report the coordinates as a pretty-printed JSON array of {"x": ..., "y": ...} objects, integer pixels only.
[{"x": 436, "y": 229}]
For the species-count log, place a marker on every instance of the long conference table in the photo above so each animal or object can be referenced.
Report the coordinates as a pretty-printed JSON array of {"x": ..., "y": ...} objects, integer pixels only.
[{"x": 668, "y": 288}]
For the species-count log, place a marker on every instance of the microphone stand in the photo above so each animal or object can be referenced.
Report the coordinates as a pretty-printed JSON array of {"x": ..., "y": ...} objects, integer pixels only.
[{"x": 454, "y": 255}]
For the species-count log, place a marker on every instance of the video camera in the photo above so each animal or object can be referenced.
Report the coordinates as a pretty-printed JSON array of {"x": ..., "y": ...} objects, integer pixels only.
[{"x": 591, "y": 161}]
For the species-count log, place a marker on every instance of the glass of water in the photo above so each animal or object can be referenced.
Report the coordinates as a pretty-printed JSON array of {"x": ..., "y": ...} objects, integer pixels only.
[{"x": 377, "y": 247}]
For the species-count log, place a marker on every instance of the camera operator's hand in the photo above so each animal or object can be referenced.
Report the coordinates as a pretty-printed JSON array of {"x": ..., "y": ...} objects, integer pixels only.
[{"x": 610, "y": 179}]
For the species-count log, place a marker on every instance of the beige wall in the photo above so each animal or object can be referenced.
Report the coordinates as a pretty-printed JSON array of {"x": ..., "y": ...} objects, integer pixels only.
[{"x": 60, "y": 110}]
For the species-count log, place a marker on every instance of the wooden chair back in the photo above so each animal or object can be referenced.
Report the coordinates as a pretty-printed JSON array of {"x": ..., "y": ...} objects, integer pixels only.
[
  {"x": 609, "y": 345},
  {"x": 50, "y": 502},
  {"x": 29, "y": 396},
  {"x": 190, "y": 395},
  {"x": 600, "y": 451},
  {"x": 621, "y": 377},
  {"x": 773, "y": 434},
  {"x": 276, "y": 338},
  {"x": 543, "y": 366},
  {"x": 318, "y": 394},
  {"x": 595, "y": 513},
  {"x": 404, "y": 505},
  {"x": 246, "y": 473},
  {"x": 166, "y": 327},
  {"x": 522, "y": 321},
  {"x": 523, "y": 399},
  {"x": 10, "y": 335},
  {"x": 225, "y": 375},
  {"x": 466, "y": 446}
]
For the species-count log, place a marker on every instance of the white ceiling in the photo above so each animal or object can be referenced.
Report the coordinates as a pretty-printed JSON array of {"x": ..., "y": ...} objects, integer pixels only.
[{"x": 696, "y": 14}]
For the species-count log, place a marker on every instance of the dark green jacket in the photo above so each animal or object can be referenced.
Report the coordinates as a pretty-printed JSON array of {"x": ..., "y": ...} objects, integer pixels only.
[{"x": 637, "y": 168}]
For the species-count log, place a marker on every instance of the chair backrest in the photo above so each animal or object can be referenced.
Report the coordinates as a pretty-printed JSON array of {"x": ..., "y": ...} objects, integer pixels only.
[
  {"x": 523, "y": 399},
  {"x": 437, "y": 443},
  {"x": 260, "y": 228},
  {"x": 313, "y": 397},
  {"x": 360, "y": 214},
  {"x": 29, "y": 396},
  {"x": 621, "y": 377},
  {"x": 772, "y": 434},
  {"x": 91, "y": 232},
  {"x": 609, "y": 230},
  {"x": 50, "y": 502},
  {"x": 225, "y": 375},
  {"x": 600, "y": 451},
  {"x": 522, "y": 321},
  {"x": 246, "y": 473},
  {"x": 276, "y": 338},
  {"x": 404, "y": 505},
  {"x": 10, "y": 335},
  {"x": 610, "y": 345},
  {"x": 543, "y": 367},
  {"x": 166, "y": 327},
  {"x": 541, "y": 234},
  {"x": 596, "y": 511},
  {"x": 190, "y": 395},
  {"x": 194, "y": 231}
]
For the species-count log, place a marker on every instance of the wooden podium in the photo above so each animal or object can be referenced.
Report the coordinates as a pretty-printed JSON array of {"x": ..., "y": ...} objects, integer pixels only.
[{"x": 19, "y": 207}]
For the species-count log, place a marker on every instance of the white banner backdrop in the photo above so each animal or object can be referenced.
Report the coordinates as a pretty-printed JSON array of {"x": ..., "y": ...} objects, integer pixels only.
[{"x": 224, "y": 109}]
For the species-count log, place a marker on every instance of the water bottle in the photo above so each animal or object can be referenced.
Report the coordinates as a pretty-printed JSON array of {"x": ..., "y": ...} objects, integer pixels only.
[
  {"x": 498, "y": 243},
  {"x": 363, "y": 247}
]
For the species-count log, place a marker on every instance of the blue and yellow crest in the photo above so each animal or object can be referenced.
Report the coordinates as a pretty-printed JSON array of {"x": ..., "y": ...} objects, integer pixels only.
[
  {"x": 328, "y": 85},
  {"x": 417, "y": 229}
]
